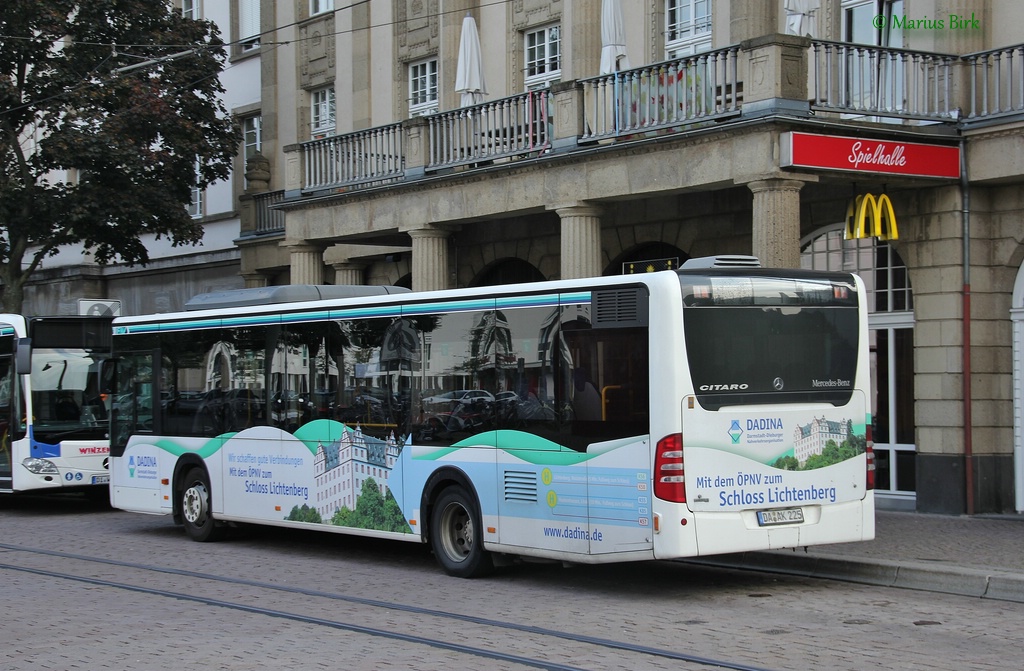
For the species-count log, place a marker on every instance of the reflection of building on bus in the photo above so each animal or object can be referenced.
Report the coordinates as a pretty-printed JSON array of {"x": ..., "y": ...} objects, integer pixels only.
[
  {"x": 342, "y": 466},
  {"x": 811, "y": 439}
]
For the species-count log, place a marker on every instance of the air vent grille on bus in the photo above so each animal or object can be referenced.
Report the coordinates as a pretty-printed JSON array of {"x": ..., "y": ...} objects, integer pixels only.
[
  {"x": 521, "y": 486},
  {"x": 722, "y": 261},
  {"x": 620, "y": 308}
]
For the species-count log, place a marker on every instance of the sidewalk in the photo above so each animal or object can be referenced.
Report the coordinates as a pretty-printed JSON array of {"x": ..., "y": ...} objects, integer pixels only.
[{"x": 980, "y": 556}]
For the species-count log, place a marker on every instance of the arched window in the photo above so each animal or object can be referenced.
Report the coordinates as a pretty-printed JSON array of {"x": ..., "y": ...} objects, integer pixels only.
[{"x": 891, "y": 324}]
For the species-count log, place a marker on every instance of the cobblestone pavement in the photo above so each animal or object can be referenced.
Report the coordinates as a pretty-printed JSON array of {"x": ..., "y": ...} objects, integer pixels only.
[{"x": 67, "y": 615}]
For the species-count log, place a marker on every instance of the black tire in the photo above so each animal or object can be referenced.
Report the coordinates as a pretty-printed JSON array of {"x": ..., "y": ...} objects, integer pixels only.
[
  {"x": 99, "y": 496},
  {"x": 456, "y": 535},
  {"x": 196, "y": 511}
]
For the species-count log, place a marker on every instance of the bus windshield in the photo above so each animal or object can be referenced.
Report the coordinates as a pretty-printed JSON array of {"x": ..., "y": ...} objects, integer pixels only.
[
  {"x": 66, "y": 398},
  {"x": 763, "y": 339}
]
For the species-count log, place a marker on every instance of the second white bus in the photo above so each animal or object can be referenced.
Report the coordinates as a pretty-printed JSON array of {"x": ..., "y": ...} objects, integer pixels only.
[
  {"x": 54, "y": 422},
  {"x": 672, "y": 414}
]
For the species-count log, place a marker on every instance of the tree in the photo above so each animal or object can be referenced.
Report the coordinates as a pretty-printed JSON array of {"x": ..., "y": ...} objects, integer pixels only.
[
  {"x": 93, "y": 155},
  {"x": 373, "y": 511},
  {"x": 304, "y": 514}
]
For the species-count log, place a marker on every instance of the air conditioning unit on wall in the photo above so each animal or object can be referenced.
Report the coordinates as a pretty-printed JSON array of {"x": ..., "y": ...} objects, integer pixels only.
[{"x": 93, "y": 308}]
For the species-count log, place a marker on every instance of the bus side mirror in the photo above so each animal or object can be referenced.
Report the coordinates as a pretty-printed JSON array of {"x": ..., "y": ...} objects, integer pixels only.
[{"x": 23, "y": 357}]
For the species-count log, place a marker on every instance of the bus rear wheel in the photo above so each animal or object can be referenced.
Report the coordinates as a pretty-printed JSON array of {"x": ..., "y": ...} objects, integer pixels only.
[
  {"x": 196, "y": 510},
  {"x": 456, "y": 536}
]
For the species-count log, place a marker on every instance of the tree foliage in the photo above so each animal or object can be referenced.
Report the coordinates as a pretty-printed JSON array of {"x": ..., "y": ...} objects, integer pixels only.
[
  {"x": 95, "y": 156},
  {"x": 304, "y": 514},
  {"x": 373, "y": 511}
]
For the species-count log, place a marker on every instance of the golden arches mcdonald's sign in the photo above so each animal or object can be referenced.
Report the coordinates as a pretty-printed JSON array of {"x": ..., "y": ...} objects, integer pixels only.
[{"x": 871, "y": 216}]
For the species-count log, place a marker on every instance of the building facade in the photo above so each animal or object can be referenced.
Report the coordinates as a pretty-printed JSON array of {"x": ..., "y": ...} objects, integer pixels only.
[{"x": 578, "y": 141}]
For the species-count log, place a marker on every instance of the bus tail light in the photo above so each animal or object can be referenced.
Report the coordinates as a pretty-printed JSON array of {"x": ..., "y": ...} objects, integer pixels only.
[
  {"x": 669, "y": 476},
  {"x": 869, "y": 451}
]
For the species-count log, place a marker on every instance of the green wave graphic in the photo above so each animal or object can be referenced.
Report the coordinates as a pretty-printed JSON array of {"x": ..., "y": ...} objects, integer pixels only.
[{"x": 524, "y": 446}]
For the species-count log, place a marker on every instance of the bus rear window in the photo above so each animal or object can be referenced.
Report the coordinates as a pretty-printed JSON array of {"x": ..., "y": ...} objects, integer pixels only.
[{"x": 766, "y": 340}]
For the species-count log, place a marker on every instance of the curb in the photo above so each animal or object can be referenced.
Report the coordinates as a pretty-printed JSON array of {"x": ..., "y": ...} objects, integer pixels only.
[{"x": 940, "y": 578}]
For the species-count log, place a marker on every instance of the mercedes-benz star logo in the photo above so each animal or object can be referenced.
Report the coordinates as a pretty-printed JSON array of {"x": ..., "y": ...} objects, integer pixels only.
[{"x": 778, "y": 384}]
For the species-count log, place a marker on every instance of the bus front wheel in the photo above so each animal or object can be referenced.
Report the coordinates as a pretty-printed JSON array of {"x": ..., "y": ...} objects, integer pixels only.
[
  {"x": 196, "y": 509},
  {"x": 456, "y": 536}
]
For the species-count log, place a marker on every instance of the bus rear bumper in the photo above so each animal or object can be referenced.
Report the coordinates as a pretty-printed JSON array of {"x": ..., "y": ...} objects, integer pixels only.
[{"x": 716, "y": 533}]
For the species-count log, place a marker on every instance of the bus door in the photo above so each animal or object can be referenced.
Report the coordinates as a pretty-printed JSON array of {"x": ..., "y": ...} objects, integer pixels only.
[
  {"x": 136, "y": 479},
  {"x": 585, "y": 474}
]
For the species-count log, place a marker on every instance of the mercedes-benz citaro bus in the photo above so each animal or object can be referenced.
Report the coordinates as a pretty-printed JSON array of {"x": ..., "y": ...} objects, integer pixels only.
[
  {"x": 54, "y": 416},
  {"x": 719, "y": 408}
]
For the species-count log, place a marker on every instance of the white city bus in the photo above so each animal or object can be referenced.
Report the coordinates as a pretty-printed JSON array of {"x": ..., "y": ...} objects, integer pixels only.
[
  {"x": 670, "y": 414},
  {"x": 53, "y": 417}
]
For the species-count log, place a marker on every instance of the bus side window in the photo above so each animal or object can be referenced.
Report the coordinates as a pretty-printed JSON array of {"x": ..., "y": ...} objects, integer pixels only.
[{"x": 609, "y": 381}]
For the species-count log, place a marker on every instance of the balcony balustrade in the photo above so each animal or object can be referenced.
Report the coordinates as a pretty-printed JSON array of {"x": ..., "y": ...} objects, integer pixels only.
[
  {"x": 673, "y": 93},
  {"x": 266, "y": 219},
  {"x": 371, "y": 156},
  {"x": 848, "y": 80},
  {"x": 997, "y": 82},
  {"x": 878, "y": 81},
  {"x": 508, "y": 128}
]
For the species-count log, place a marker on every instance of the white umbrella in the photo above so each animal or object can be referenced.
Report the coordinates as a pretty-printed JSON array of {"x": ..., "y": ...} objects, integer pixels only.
[
  {"x": 469, "y": 73},
  {"x": 800, "y": 16},
  {"x": 613, "y": 38}
]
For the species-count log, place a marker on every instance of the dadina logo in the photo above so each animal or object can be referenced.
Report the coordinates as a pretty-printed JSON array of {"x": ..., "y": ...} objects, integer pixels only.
[{"x": 735, "y": 432}]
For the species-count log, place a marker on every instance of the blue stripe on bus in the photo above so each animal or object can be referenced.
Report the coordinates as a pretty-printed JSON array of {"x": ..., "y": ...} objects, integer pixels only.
[
  {"x": 541, "y": 300},
  {"x": 449, "y": 306}
]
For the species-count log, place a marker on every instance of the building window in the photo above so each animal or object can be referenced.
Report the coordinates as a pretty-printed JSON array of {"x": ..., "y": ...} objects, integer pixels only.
[
  {"x": 195, "y": 207},
  {"x": 859, "y": 22},
  {"x": 252, "y": 128},
  {"x": 423, "y": 88},
  {"x": 190, "y": 9},
  {"x": 322, "y": 119},
  {"x": 252, "y": 140},
  {"x": 543, "y": 56},
  {"x": 320, "y": 6},
  {"x": 687, "y": 27},
  {"x": 248, "y": 25}
]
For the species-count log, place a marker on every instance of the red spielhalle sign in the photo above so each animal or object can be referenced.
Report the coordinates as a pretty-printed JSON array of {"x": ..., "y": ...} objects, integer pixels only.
[{"x": 857, "y": 154}]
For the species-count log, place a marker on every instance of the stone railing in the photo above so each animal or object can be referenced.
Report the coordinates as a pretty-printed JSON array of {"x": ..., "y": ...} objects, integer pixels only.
[
  {"x": 997, "y": 83},
  {"x": 507, "y": 128},
  {"x": 877, "y": 81},
  {"x": 367, "y": 156},
  {"x": 681, "y": 91}
]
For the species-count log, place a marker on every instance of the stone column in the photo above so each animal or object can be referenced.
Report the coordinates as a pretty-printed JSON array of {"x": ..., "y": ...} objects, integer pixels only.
[
  {"x": 348, "y": 273},
  {"x": 776, "y": 222},
  {"x": 748, "y": 20},
  {"x": 581, "y": 42},
  {"x": 429, "y": 259},
  {"x": 307, "y": 263},
  {"x": 581, "y": 241},
  {"x": 254, "y": 280}
]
